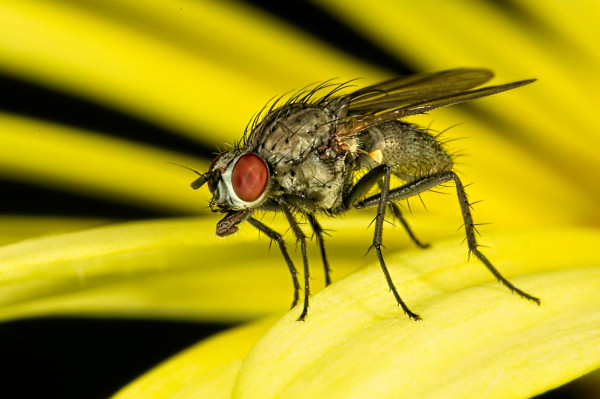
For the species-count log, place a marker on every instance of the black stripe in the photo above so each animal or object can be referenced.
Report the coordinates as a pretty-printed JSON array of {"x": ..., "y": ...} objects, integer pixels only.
[
  {"x": 29, "y": 99},
  {"x": 324, "y": 26},
  {"x": 22, "y": 198}
]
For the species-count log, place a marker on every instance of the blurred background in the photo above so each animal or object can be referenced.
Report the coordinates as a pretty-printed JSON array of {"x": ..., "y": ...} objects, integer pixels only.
[{"x": 98, "y": 96}]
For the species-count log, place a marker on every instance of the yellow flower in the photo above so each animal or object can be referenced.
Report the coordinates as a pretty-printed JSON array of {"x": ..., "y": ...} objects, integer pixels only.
[{"x": 200, "y": 69}]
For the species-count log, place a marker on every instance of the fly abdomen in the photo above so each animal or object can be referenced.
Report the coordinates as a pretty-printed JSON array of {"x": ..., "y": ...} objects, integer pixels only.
[{"x": 410, "y": 151}]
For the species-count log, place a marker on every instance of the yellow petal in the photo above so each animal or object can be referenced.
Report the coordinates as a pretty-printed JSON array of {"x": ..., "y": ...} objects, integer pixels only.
[
  {"x": 206, "y": 370},
  {"x": 476, "y": 339},
  {"x": 71, "y": 159},
  {"x": 178, "y": 64},
  {"x": 18, "y": 228},
  {"x": 175, "y": 269}
]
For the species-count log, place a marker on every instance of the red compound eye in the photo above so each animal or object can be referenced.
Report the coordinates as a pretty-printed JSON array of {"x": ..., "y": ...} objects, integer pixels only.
[{"x": 249, "y": 177}]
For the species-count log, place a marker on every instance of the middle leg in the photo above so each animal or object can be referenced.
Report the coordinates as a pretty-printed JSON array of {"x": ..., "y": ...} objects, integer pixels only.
[
  {"x": 377, "y": 241},
  {"x": 301, "y": 237},
  {"x": 397, "y": 213},
  {"x": 360, "y": 188},
  {"x": 321, "y": 243}
]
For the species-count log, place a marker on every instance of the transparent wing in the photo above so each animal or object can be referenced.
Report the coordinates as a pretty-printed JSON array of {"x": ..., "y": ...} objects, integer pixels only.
[
  {"x": 399, "y": 98},
  {"x": 413, "y": 88}
]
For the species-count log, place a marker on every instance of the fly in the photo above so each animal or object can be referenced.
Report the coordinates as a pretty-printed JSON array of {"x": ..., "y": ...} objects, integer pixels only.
[{"x": 302, "y": 158}]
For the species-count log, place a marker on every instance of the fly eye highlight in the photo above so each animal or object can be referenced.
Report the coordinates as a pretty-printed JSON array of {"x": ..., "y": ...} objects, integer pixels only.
[{"x": 249, "y": 177}]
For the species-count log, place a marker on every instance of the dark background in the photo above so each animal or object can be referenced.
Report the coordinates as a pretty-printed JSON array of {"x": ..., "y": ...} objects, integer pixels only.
[{"x": 52, "y": 357}]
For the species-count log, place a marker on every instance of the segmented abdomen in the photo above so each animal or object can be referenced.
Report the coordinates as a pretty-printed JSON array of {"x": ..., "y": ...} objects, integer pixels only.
[{"x": 410, "y": 151}]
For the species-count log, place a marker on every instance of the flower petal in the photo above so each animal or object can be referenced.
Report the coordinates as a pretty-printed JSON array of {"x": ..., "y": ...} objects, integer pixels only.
[
  {"x": 169, "y": 268},
  {"x": 166, "y": 62},
  {"x": 18, "y": 228},
  {"x": 476, "y": 338},
  {"x": 71, "y": 159}
]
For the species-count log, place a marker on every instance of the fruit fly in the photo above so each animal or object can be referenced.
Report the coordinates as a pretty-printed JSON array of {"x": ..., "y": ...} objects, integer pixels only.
[{"x": 304, "y": 158}]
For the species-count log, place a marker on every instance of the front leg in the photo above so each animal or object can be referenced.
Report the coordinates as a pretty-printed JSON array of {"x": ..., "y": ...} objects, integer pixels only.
[{"x": 273, "y": 235}]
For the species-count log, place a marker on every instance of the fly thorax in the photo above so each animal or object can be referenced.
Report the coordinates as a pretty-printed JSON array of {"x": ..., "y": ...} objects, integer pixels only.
[
  {"x": 321, "y": 181},
  {"x": 291, "y": 132}
]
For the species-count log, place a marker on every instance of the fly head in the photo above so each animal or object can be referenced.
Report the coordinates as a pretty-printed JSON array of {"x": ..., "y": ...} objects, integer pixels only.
[{"x": 238, "y": 181}]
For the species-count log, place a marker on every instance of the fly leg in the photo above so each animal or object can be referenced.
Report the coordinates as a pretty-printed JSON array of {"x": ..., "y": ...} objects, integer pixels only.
[
  {"x": 350, "y": 199},
  {"x": 363, "y": 186},
  {"x": 302, "y": 239},
  {"x": 427, "y": 182},
  {"x": 359, "y": 190},
  {"x": 377, "y": 240},
  {"x": 273, "y": 235},
  {"x": 395, "y": 209},
  {"x": 397, "y": 213},
  {"x": 307, "y": 207},
  {"x": 321, "y": 243}
]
